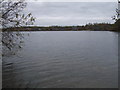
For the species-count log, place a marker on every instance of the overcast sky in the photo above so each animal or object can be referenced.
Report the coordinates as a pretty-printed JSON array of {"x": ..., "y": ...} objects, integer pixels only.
[{"x": 71, "y": 13}]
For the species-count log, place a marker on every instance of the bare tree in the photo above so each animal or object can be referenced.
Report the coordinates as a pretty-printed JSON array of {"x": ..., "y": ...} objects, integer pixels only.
[
  {"x": 12, "y": 16},
  {"x": 117, "y": 15},
  {"x": 116, "y": 18}
]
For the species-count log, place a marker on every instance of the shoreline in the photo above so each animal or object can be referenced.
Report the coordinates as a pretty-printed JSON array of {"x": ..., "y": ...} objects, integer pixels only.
[{"x": 54, "y": 30}]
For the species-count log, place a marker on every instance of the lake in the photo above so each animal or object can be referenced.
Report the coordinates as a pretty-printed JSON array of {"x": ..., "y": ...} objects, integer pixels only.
[{"x": 64, "y": 59}]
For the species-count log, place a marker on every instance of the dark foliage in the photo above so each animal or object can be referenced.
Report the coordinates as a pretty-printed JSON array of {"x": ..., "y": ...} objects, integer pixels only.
[{"x": 11, "y": 17}]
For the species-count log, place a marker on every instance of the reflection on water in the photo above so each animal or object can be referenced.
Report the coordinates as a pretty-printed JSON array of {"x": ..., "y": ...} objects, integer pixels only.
[
  {"x": 11, "y": 42},
  {"x": 64, "y": 59}
]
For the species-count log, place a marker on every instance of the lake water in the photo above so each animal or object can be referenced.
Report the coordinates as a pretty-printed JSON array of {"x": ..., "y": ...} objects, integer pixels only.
[{"x": 64, "y": 59}]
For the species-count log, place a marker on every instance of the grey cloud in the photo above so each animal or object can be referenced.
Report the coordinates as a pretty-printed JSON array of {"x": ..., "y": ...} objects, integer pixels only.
[{"x": 71, "y": 13}]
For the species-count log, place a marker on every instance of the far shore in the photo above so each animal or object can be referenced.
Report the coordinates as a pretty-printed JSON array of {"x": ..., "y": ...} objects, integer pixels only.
[
  {"x": 25, "y": 30},
  {"x": 89, "y": 27}
]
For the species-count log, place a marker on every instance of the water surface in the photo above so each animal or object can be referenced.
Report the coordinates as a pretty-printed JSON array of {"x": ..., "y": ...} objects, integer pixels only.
[{"x": 60, "y": 59}]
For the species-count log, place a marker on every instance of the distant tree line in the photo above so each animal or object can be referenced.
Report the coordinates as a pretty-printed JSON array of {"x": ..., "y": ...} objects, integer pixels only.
[{"x": 87, "y": 27}]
